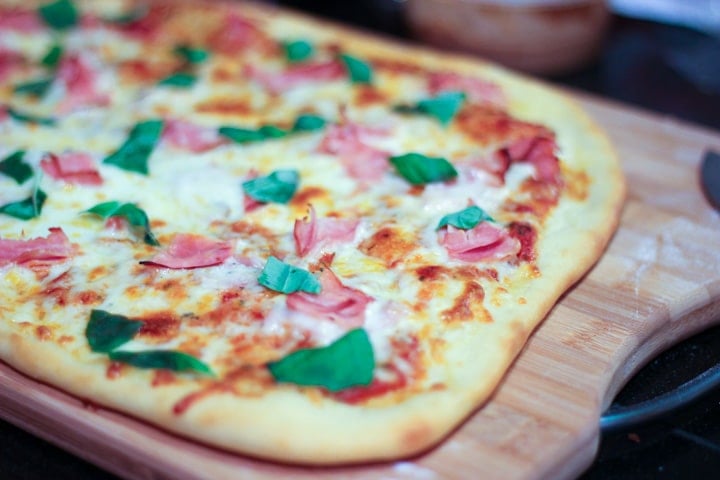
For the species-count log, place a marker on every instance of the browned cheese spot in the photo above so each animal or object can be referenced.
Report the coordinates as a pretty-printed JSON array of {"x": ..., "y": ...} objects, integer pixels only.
[
  {"x": 389, "y": 245},
  {"x": 159, "y": 327},
  {"x": 43, "y": 333},
  {"x": 468, "y": 306}
]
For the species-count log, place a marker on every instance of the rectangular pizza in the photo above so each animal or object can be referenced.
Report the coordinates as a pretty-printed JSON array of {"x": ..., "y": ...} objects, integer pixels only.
[{"x": 275, "y": 235}]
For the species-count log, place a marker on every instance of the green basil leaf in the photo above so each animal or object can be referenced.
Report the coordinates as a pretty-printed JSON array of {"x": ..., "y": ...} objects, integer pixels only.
[
  {"x": 134, "y": 215},
  {"x": 26, "y": 209},
  {"x": 271, "y": 131},
  {"x": 163, "y": 359},
  {"x": 26, "y": 118},
  {"x": 179, "y": 80},
  {"x": 105, "y": 331},
  {"x": 347, "y": 362},
  {"x": 52, "y": 57},
  {"x": 37, "y": 88},
  {"x": 465, "y": 219},
  {"x": 59, "y": 15},
  {"x": 241, "y": 135},
  {"x": 15, "y": 167},
  {"x": 281, "y": 277},
  {"x": 192, "y": 55},
  {"x": 443, "y": 107},
  {"x": 129, "y": 17},
  {"x": 359, "y": 71},
  {"x": 134, "y": 153},
  {"x": 298, "y": 50},
  {"x": 419, "y": 169},
  {"x": 308, "y": 123},
  {"x": 278, "y": 187}
]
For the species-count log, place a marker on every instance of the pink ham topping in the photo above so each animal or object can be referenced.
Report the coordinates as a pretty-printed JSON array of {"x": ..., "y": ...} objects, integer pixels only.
[
  {"x": 21, "y": 21},
  {"x": 9, "y": 60},
  {"x": 81, "y": 84},
  {"x": 189, "y": 136},
  {"x": 312, "y": 231},
  {"x": 540, "y": 152},
  {"x": 337, "y": 302},
  {"x": 56, "y": 247},
  {"x": 148, "y": 26},
  {"x": 296, "y": 75},
  {"x": 72, "y": 167},
  {"x": 476, "y": 89},
  {"x": 360, "y": 159},
  {"x": 237, "y": 34},
  {"x": 484, "y": 242},
  {"x": 192, "y": 251}
]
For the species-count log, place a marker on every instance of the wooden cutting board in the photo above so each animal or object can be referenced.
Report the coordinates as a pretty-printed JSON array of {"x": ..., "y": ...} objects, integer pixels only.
[{"x": 658, "y": 283}]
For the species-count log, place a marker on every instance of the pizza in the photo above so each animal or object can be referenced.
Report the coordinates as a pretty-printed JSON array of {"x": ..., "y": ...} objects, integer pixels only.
[{"x": 276, "y": 235}]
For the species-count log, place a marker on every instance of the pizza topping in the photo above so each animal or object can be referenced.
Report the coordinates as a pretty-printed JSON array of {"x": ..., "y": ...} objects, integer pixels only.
[
  {"x": 105, "y": 331},
  {"x": 465, "y": 219},
  {"x": 28, "y": 118},
  {"x": 192, "y": 55},
  {"x": 483, "y": 242},
  {"x": 80, "y": 81},
  {"x": 527, "y": 236},
  {"x": 15, "y": 167},
  {"x": 443, "y": 107},
  {"x": 419, "y": 169},
  {"x": 350, "y": 142},
  {"x": 9, "y": 60},
  {"x": 277, "y": 82},
  {"x": 59, "y": 15},
  {"x": 191, "y": 251},
  {"x": 540, "y": 152},
  {"x": 358, "y": 70},
  {"x": 72, "y": 167},
  {"x": 133, "y": 155},
  {"x": 189, "y": 136},
  {"x": 246, "y": 135},
  {"x": 56, "y": 247},
  {"x": 235, "y": 35},
  {"x": 308, "y": 123},
  {"x": 278, "y": 187},
  {"x": 28, "y": 208},
  {"x": 36, "y": 88},
  {"x": 19, "y": 20},
  {"x": 389, "y": 244},
  {"x": 347, "y": 362},
  {"x": 134, "y": 216},
  {"x": 342, "y": 304},
  {"x": 143, "y": 23},
  {"x": 179, "y": 79},
  {"x": 284, "y": 278},
  {"x": 298, "y": 50},
  {"x": 185, "y": 77},
  {"x": 476, "y": 89},
  {"x": 52, "y": 58},
  {"x": 311, "y": 231}
]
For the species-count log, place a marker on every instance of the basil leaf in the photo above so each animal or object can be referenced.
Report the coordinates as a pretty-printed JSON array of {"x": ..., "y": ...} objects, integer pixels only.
[
  {"x": 179, "y": 80},
  {"x": 106, "y": 331},
  {"x": 308, "y": 123},
  {"x": 129, "y": 17},
  {"x": 419, "y": 169},
  {"x": 134, "y": 153},
  {"x": 465, "y": 219},
  {"x": 443, "y": 107},
  {"x": 26, "y": 209},
  {"x": 14, "y": 167},
  {"x": 36, "y": 88},
  {"x": 52, "y": 57},
  {"x": 359, "y": 71},
  {"x": 24, "y": 117},
  {"x": 347, "y": 362},
  {"x": 164, "y": 359},
  {"x": 241, "y": 135},
  {"x": 60, "y": 15},
  {"x": 135, "y": 216},
  {"x": 271, "y": 131},
  {"x": 278, "y": 187},
  {"x": 192, "y": 55},
  {"x": 284, "y": 278},
  {"x": 298, "y": 50}
]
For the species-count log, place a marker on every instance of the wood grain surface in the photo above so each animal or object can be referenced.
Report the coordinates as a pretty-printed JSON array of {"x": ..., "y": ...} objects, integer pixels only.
[{"x": 658, "y": 283}]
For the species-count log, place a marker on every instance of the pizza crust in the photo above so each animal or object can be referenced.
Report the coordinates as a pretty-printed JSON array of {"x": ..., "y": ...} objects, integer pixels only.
[{"x": 286, "y": 423}]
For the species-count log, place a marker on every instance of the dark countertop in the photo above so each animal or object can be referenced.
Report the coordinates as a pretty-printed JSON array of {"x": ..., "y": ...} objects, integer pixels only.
[{"x": 670, "y": 70}]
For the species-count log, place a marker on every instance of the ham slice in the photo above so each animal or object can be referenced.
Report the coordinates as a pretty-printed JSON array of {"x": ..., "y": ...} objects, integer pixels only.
[
  {"x": 9, "y": 60},
  {"x": 360, "y": 159},
  {"x": 344, "y": 305},
  {"x": 236, "y": 34},
  {"x": 540, "y": 152},
  {"x": 72, "y": 167},
  {"x": 484, "y": 242},
  {"x": 312, "y": 231},
  {"x": 477, "y": 90},
  {"x": 295, "y": 75},
  {"x": 81, "y": 84},
  {"x": 191, "y": 251},
  {"x": 56, "y": 247},
  {"x": 22, "y": 21},
  {"x": 147, "y": 26},
  {"x": 189, "y": 136}
]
